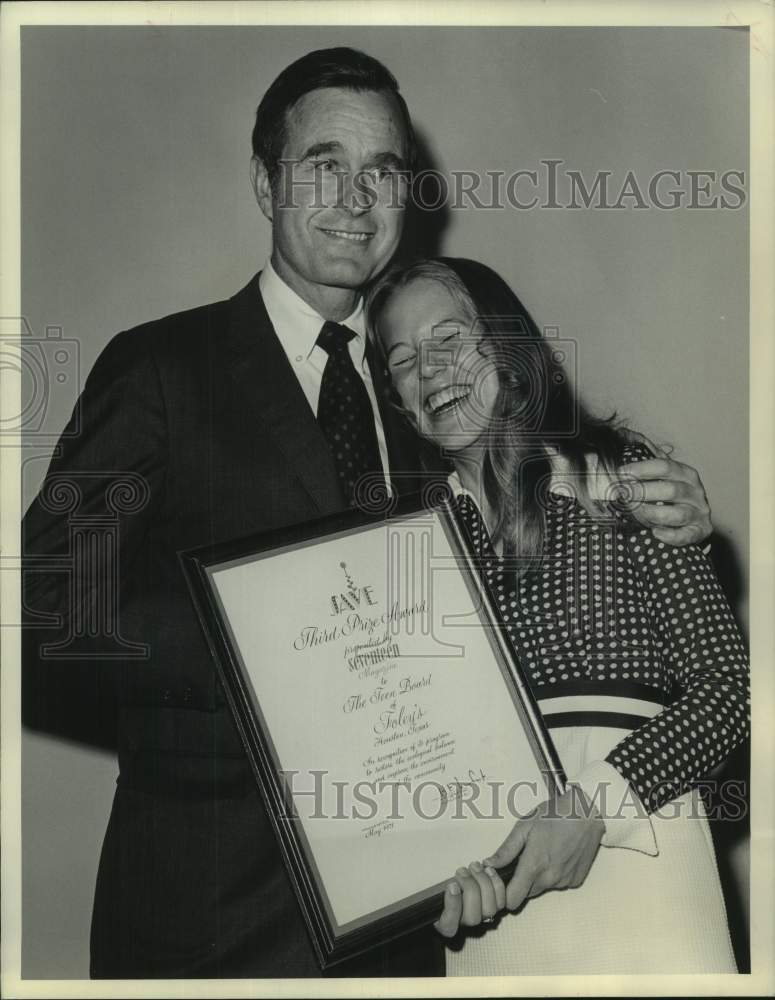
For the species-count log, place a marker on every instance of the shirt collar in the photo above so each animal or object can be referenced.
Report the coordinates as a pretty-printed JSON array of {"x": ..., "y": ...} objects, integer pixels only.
[
  {"x": 458, "y": 490},
  {"x": 296, "y": 323}
]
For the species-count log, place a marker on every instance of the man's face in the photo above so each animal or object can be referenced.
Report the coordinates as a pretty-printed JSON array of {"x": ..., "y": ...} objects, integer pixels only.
[{"x": 337, "y": 206}]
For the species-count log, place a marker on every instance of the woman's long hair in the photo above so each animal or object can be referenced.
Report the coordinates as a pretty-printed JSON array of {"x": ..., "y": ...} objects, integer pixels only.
[{"x": 535, "y": 409}]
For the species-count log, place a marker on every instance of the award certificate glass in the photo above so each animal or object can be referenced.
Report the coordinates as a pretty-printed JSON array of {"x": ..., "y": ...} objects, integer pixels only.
[{"x": 382, "y": 708}]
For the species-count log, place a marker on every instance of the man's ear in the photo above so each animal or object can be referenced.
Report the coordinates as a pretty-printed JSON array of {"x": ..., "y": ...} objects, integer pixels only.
[{"x": 259, "y": 178}]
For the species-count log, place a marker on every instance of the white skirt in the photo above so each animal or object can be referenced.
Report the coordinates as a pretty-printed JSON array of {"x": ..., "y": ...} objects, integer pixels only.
[{"x": 634, "y": 913}]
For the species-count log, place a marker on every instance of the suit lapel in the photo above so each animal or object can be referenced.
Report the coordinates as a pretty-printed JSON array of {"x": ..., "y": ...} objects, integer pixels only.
[{"x": 263, "y": 375}]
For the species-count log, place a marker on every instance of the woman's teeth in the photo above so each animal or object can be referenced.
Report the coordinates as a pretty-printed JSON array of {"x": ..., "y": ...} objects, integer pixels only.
[{"x": 447, "y": 398}]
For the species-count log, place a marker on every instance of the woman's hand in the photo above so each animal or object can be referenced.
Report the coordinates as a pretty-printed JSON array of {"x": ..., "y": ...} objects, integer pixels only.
[
  {"x": 556, "y": 847},
  {"x": 476, "y": 895}
]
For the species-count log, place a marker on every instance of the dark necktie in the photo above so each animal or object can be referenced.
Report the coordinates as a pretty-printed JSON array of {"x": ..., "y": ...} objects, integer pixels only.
[{"x": 345, "y": 414}]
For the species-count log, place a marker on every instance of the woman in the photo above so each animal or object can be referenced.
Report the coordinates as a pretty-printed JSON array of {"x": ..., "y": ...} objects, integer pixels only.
[{"x": 628, "y": 645}]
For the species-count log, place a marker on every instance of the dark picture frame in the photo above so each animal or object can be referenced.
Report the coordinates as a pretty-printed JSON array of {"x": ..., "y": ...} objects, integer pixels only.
[{"x": 333, "y": 940}]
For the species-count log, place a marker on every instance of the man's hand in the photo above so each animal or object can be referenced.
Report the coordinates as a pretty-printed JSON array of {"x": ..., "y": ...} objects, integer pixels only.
[
  {"x": 555, "y": 846},
  {"x": 670, "y": 498}
]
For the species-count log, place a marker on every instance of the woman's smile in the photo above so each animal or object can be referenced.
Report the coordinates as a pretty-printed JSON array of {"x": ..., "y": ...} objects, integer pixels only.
[
  {"x": 435, "y": 364},
  {"x": 445, "y": 400}
]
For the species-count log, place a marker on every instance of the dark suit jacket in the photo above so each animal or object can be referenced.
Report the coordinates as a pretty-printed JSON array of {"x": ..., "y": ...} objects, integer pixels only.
[{"x": 204, "y": 406}]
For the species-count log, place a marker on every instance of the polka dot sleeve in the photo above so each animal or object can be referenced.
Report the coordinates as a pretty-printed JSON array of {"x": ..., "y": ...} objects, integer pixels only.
[{"x": 704, "y": 656}]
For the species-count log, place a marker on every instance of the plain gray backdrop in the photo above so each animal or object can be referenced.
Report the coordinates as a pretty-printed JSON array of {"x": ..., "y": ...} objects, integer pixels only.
[{"x": 136, "y": 203}]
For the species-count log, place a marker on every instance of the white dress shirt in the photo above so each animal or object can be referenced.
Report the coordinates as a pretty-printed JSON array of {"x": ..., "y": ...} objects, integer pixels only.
[{"x": 297, "y": 326}]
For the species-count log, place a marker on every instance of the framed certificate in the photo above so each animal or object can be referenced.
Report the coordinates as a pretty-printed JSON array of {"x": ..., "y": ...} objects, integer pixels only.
[{"x": 382, "y": 708}]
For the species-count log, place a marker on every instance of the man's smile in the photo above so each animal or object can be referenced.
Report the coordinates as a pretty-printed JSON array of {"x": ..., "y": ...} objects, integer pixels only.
[{"x": 344, "y": 234}]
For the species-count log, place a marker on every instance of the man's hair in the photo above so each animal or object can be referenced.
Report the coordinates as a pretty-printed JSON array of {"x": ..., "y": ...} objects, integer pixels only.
[{"x": 339, "y": 67}]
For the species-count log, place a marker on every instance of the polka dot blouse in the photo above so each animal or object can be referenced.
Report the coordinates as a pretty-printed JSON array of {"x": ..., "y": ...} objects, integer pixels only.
[{"x": 615, "y": 619}]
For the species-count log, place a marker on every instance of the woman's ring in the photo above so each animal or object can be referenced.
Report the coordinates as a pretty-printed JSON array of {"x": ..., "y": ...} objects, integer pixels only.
[{"x": 487, "y": 920}]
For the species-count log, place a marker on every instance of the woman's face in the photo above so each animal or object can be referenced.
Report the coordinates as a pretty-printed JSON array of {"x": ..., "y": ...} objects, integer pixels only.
[{"x": 443, "y": 380}]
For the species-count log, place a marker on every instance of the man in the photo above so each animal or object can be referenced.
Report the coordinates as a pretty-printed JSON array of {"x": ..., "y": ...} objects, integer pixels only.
[{"x": 218, "y": 422}]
